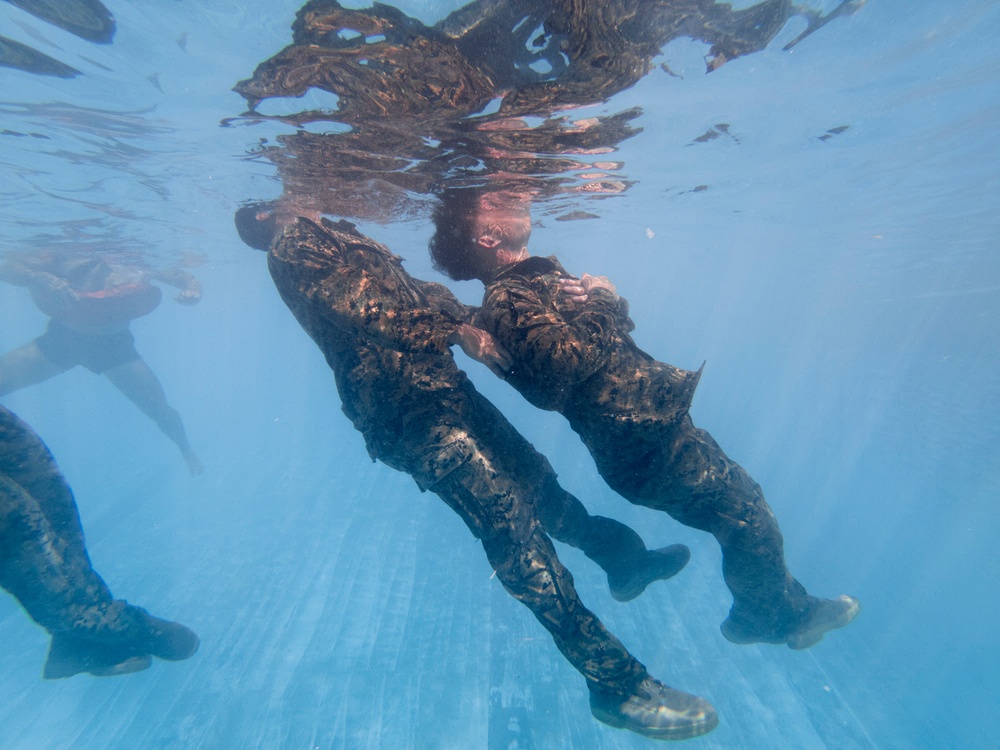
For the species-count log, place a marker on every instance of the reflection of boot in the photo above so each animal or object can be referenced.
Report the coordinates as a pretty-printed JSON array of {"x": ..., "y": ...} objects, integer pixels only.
[
  {"x": 626, "y": 583},
  {"x": 656, "y": 711},
  {"x": 820, "y": 616},
  {"x": 70, "y": 655}
]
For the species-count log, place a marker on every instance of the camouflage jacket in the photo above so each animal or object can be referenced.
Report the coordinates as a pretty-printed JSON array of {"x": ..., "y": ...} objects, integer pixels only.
[
  {"x": 578, "y": 358},
  {"x": 384, "y": 335}
]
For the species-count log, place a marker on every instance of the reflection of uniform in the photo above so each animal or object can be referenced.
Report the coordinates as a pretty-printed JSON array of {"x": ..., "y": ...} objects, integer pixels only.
[
  {"x": 632, "y": 413},
  {"x": 44, "y": 564},
  {"x": 420, "y": 414}
]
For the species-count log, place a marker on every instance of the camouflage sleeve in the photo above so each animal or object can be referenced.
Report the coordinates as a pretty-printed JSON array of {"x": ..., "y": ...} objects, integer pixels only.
[
  {"x": 441, "y": 298},
  {"x": 561, "y": 349}
]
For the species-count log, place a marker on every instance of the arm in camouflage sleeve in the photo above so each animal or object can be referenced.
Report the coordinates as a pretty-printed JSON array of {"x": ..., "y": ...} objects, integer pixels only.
[
  {"x": 474, "y": 341},
  {"x": 440, "y": 297}
]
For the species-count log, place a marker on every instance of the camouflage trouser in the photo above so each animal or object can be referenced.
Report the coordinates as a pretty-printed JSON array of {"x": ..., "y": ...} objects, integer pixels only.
[
  {"x": 609, "y": 543},
  {"x": 43, "y": 559},
  {"x": 689, "y": 476},
  {"x": 617, "y": 548},
  {"x": 484, "y": 482}
]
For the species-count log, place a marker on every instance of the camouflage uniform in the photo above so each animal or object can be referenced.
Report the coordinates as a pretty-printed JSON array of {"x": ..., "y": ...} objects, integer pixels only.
[
  {"x": 632, "y": 413},
  {"x": 385, "y": 337}
]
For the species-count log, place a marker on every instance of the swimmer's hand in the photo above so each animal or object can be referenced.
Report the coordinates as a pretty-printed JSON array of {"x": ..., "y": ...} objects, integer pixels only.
[
  {"x": 189, "y": 297},
  {"x": 482, "y": 347},
  {"x": 579, "y": 290},
  {"x": 573, "y": 287}
]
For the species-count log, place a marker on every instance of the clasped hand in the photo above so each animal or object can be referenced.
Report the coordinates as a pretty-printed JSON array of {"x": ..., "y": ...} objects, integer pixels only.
[{"x": 579, "y": 289}]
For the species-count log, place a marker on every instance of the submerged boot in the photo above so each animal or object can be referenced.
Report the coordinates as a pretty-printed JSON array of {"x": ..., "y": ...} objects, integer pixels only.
[
  {"x": 162, "y": 638},
  {"x": 653, "y": 565},
  {"x": 656, "y": 711},
  {"x": 70, "y": 655},
  {"x": 820, "y": 616},
  {"x": 122, "y": 650},
  {"x": 823, "y": 615}
]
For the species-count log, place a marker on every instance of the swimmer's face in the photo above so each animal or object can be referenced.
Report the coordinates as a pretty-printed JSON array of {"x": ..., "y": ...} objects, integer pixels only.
[{"x": 500, "y": 227}]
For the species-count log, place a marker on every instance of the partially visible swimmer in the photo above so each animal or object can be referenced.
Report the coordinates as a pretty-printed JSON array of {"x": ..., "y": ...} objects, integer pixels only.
[
  {"x": 44, "y": 564},
  {"x": 91, "y": 298}
]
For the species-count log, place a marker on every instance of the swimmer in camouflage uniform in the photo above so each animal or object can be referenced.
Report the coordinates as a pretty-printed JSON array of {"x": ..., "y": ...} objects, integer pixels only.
[{"x": 571, "y": 352}]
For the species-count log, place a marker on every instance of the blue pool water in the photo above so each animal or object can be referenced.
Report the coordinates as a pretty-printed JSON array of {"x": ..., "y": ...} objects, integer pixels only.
[{"x": 843, "y": 288}]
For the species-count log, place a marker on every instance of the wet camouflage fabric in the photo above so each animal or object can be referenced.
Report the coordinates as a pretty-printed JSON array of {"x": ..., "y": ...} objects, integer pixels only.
[
  {"x": 383, "y": 170},
  {"x": 610, "y": 44},
  {"x": 632, "y": 413},
  {"x": 591, "y": 50},
  {"x": 43, "y": 558},
  {"x": 419, "y": 414},
  {"x": 413, "y": 95}
]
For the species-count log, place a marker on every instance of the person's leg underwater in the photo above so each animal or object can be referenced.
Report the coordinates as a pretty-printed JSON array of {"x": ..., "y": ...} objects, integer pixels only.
[
  {"x": 137, "y": 381},
  {"x": 614, "y": 546},
  {"x": 26, "y": 366},
  {"x": 498, "y": 509},
  {"x": 701, "y": 487},
  {"x": 44, "y": 564}
]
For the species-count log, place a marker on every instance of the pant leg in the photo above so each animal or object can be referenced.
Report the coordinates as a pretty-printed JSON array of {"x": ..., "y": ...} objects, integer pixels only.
[
  {"x": 43, "y": 556},
  {"x": 615, "y": 547},
  {"x": 497, "y": 509},
  {"x": 694, "y": 481},
  {"x": 611, "y": 544},
  {"x": 26, "y": 460},
  {"x": 55, "y": 584}
]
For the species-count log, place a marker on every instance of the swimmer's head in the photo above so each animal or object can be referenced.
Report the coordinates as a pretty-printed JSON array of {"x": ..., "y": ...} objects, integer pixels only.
[
  {"x": 257, "y": 224},
  {"x": 475, "y": 229}
]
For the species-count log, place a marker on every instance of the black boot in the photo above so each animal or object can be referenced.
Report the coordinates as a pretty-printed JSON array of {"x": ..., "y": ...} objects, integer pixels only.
[
  {"x": 823, "y": 615},
  {"x": 126, "y": 644},
  {"x": 161, "y": 638},
  {"x": 811, "y": 625},
  {"x": 627, "y": 582}
]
